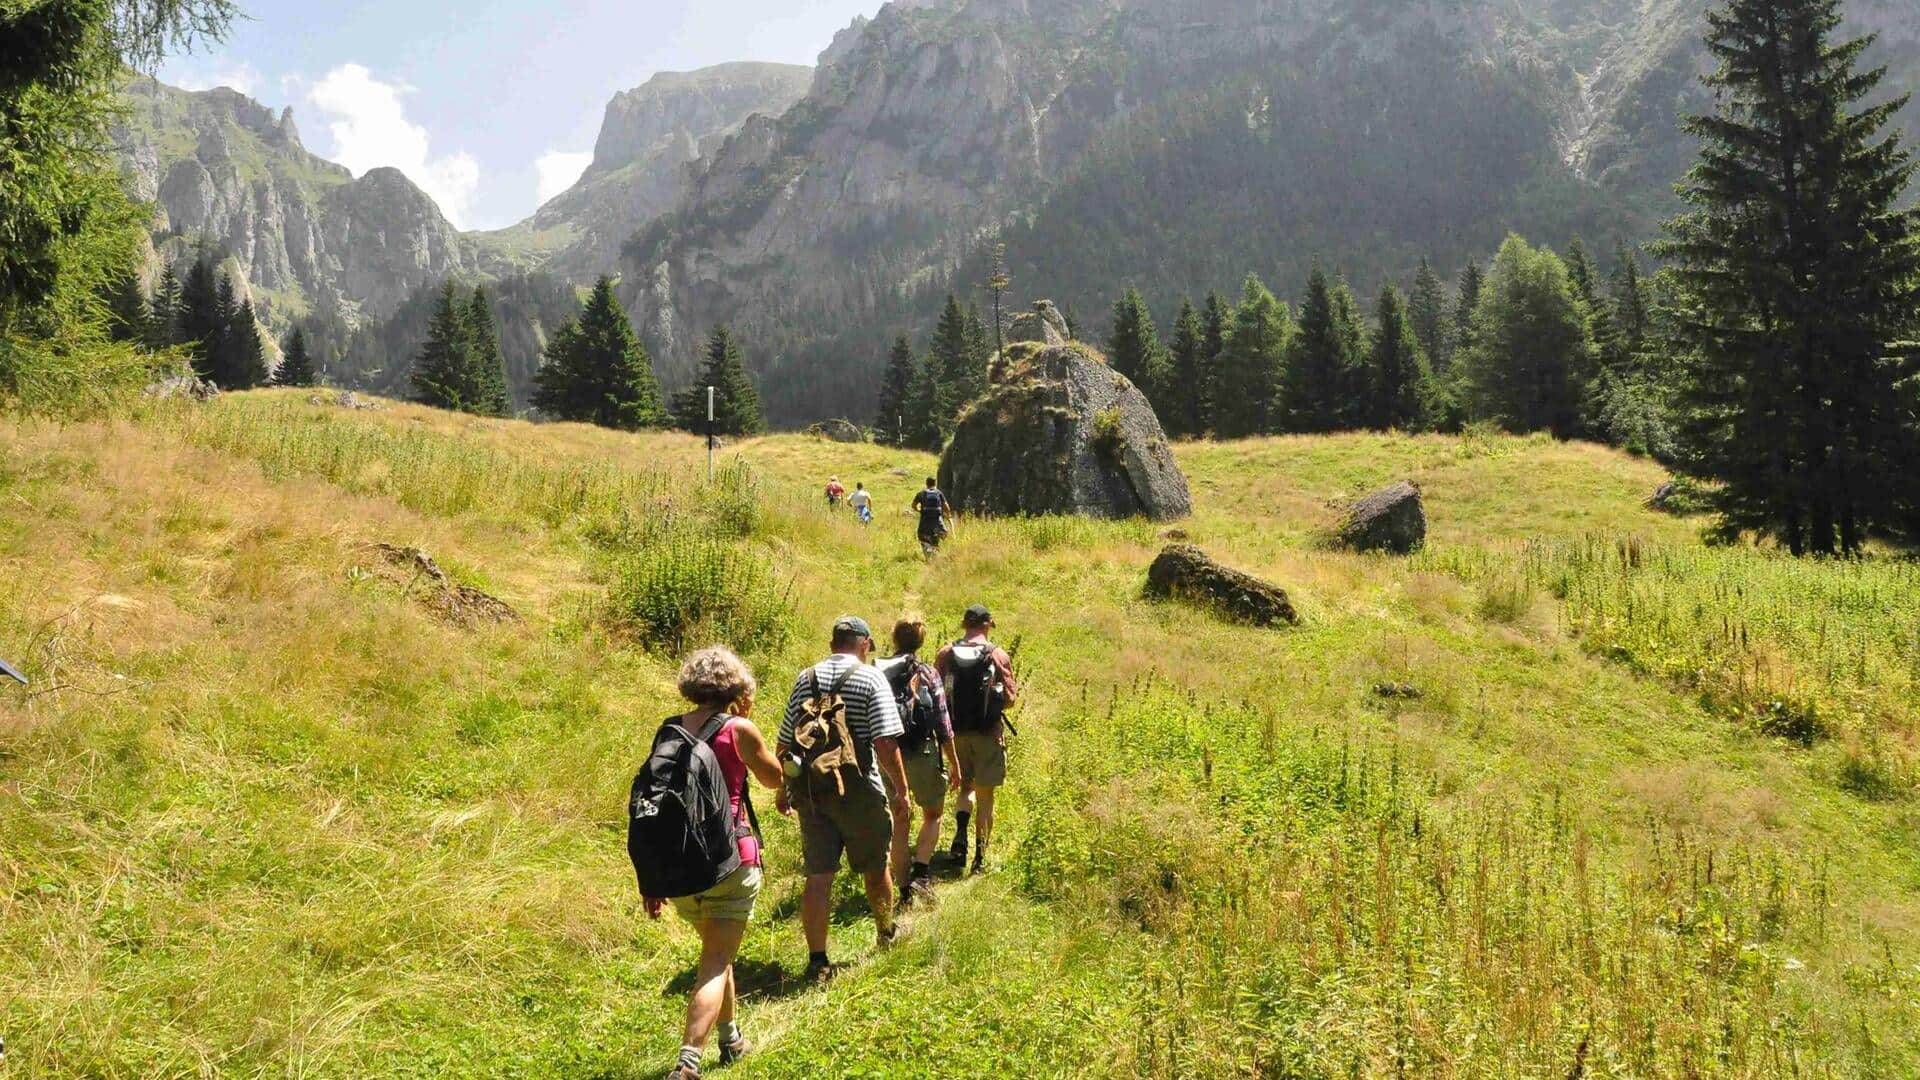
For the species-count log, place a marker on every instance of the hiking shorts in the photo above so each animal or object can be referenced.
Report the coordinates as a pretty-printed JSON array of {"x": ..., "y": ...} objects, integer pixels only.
[
  {"x": 858, "y": 823},
  {"x": 926, "y": 776},
  {"x": 732, "y": 899},
  {"x": 983, "y": 758}
]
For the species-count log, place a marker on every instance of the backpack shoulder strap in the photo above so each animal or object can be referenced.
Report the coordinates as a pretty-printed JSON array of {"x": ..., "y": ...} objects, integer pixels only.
[{"x": 840, "y": 684}]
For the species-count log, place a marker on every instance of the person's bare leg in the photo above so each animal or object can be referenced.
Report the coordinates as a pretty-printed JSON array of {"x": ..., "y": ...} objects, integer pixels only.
[
  {"x": 983, "y": 817},
  {"x": 814, "y": 910},
  {"x": 929, "y": 837},
  {"x": 713, "y": 979},
  {"x": 880, "y": 896},
  {"x": 897, "y": 853}
]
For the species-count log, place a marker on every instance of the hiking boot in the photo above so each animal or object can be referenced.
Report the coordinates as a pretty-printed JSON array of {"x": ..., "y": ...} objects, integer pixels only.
[
  {"x": 887, "y": 937},
  {"x": 906, "y": 896},
  {"x": 681, "y": 1072},
  {"x": 922, "y": 888},
  {"x": 979, "y": 861},
  {"x": 817, "y": 973},
  {"x": 731, "y": 1052},
  {"x": 958, "y": 851}
]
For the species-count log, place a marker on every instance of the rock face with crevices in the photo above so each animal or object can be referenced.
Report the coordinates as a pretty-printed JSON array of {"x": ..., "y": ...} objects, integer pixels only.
[
  {"x": 1185, "y": 572},
  {"x": 1060, "y": 432},
  {"x": 1393, "y": 520},
  {"x": 1044, "y": 324}
]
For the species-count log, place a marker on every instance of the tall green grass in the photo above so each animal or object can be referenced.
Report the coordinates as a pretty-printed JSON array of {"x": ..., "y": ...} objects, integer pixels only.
[
  {"x": 1803, "y": 649},
  {"x": 1320, "y": 911},
  {"x": 677, "y": 559}
]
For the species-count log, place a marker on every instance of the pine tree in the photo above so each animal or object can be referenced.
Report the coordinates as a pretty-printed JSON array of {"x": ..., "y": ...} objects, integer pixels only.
[
  {"x": 958, "y": 379},
  {"x": 1183, "y": 406},
  {"x": 489, "y": 368},
  {"x": 923, "y": 428},
  {"x": 896, "y": 392},
  {"x": 296, "y": 364},
  {"x": 1530, "y": 342},
  {"x": 1626, "y": 339},
  {"x": 1396, "y": 366},
  {"x": 164, "y": 322},
  {"x": 1321, "y": 361},
  {"x": 736, "y": 404},
  {"x": 1797, "y": 270},
  {"x": 199, "y": 322},
  {"x": 1134, "y": 348},
  {"x": 1466, "y": 300},
  {"x": 1250, "y": 365},
  {"x": 129, "y": 316},
  {"x": 596, "y": 371},
  {"x": 1427, "y": 309},
  {"x": 1586, "y": 280},
  {"x": 1215, "y": 323},
  {"x": 998, "y": 282},
  {"x": 246, "y": 365},
  {"x": 443, "y": 372}
]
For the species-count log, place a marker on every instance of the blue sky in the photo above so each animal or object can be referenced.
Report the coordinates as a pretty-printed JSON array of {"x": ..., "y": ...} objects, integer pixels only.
[{"x": 488, "y": 104}]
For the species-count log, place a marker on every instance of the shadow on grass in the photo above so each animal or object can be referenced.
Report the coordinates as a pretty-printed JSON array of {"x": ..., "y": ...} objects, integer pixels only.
[{"x": 752, "y": 979}]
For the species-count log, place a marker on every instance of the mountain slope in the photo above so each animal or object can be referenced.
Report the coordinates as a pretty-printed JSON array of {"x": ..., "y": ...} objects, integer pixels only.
[
  {"x": 1169, "y": 144},
  {"x": 648, "y": 139},
  {"x": 307, "y": 236}
]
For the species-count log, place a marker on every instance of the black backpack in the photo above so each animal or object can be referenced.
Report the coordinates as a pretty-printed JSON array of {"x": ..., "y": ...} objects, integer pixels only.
[
  {"x": 681, "y": 832},
  {"x": 975, "y": 702},
  {"x": 914, "y": 698}
]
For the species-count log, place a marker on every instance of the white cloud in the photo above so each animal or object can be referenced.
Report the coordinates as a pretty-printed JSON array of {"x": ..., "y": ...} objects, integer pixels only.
[
  {"x": 558, "y": 170},
  {"x": 243, "y": 77},
  {"x": 370, "y": 129}
]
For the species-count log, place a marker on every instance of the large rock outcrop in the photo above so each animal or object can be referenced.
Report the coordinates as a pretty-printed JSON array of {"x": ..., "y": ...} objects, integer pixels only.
[
  {"x": 1185, "y": 572},
  {"x": 1043, "y": 325},
  {"x": 301, "y": 233},
  {"x": 650, "y": 139},
  {"x": 1060, "y": 432},
  {"x": 1393, "y": 519}
]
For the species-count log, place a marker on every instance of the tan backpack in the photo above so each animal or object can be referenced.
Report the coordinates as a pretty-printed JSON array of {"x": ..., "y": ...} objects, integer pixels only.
[{"x": 823, "y": 739}]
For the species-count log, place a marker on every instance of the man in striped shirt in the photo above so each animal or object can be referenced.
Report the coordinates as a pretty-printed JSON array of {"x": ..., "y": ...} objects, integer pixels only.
[{"x": 857, "y": 814}]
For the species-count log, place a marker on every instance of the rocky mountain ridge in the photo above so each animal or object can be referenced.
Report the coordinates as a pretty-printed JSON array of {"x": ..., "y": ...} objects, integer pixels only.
[
  {"x": 222, "y": 169},
  {"x": 650, "y": 138},
  {"x": 1359, "y": 132}
]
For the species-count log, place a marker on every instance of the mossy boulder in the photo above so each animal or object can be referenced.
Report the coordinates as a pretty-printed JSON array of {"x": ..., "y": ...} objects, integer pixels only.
[
  {"x": 1043, "y": 325},
  {"x": 1060, "y": 432},
  {"x": 1184, "y": 572}
]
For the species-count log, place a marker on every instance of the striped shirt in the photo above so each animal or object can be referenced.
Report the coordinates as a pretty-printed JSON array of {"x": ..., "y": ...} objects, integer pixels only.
[{"x": 870, "y": 710}]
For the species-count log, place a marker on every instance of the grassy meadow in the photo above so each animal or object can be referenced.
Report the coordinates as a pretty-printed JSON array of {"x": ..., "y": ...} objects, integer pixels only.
[{"x": 1569, "y": 794}]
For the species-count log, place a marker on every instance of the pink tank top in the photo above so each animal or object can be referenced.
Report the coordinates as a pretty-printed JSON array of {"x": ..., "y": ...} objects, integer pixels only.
[{"x": 734, "y": 767}]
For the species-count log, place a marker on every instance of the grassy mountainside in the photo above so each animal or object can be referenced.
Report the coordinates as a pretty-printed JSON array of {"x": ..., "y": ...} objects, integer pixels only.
[{"x": 266, "y": 812}]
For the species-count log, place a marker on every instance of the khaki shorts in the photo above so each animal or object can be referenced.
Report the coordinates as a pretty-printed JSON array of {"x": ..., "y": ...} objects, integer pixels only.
[
  {"x": 732, "y": 899},
  {"x": 858, "y": 823},
  {"x": 983, "y": 758},
  {"x": 926, "y": 776}
]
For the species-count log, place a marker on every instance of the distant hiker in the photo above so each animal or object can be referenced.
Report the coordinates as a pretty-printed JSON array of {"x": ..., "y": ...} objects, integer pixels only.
[
  {"x": 980, "y": 690},
  {"x": 862, "y": 502},
  {"x": 835, "y": 492},
  {"x": 694, "y": 841},
  {"x": 926, "y": 749},
  {"x": 932, "y": 505},
  {"x": 840, "y": 748}
]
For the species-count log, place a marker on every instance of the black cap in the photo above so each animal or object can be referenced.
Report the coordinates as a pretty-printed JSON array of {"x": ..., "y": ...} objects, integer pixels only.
[{"x": 978, "y": 615}]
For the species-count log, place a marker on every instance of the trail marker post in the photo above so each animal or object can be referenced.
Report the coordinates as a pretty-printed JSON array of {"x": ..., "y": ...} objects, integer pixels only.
[{"x": 711, "y": 434}]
